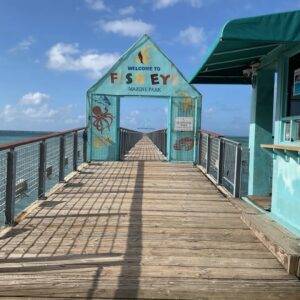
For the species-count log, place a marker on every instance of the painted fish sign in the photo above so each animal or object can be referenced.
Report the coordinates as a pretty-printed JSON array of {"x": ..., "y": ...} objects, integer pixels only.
[{"x": 142, "y": 71}]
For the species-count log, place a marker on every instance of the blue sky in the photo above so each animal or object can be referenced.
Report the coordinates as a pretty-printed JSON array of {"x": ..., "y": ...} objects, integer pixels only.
[{"x": 52, "y": 51}]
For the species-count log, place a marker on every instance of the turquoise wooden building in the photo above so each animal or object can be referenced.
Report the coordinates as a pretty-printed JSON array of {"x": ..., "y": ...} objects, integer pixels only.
[
  {"x": 143, "y": 71},
  {"x": 264, "y": 52}
]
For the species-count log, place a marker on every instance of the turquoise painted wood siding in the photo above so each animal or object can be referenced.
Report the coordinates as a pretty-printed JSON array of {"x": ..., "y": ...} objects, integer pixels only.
[
  {"x": 143, "y": 71},
  {"x": 103, "y": 127},
  {"x": 182, "y": 139}
]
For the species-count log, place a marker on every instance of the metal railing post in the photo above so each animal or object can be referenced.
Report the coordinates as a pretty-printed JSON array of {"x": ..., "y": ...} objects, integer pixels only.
[
  {"x": 165, "y": 144},
  {"x": 123, "y": 144},
  {"x": 237, "y": 171},
  {"x": 221, "y": 157},
  {"x": 62, "y": 159},
  {"x": 75, "y": 150},
  {"x": 199, "y": 147},
  {"x": 10, "y": 187},
  {"x": 84, "y": 138},
  {"x": 42, "y": 170},
  {"x": 208, "y": 153}
]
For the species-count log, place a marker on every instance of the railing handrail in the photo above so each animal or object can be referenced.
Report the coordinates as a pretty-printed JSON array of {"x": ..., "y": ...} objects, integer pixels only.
[
  {"x": 212, "y": 133},
  {"x": 38, "y": 139},
  {"x": 130, "y": 130},
  {"x": 217, "y": 135},
  {"x": 158, "y": 130},
  {"x": 231, "y": 141},
  {"x": 212, "y": 159}
]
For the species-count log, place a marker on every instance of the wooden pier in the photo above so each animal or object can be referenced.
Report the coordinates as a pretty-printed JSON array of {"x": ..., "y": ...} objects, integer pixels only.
[{"x": 139, "y": 229}]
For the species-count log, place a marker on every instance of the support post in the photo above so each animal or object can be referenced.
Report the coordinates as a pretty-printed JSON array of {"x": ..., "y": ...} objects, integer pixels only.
[
  {"x": 221, "y": 157},
  {"x": 62, "y": 159},
  {"x": 208, "y": 153},
  {"x": 42, "y": 170},
  {"x": 84, "y": 137},
  {"x": 237, "y": 171},
  {"x": 122, "y": 143},
  {"x": 75, "y": 150},
  {"x": 260, "y": 163},
  {"x": 10, "y": 187},
  {"x": 200, "y": 148}
]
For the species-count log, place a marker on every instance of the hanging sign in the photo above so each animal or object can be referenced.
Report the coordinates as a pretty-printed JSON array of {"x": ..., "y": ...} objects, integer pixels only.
[
  {"x": 296, "y": 91},
  {"x": 184, "y": 123}
]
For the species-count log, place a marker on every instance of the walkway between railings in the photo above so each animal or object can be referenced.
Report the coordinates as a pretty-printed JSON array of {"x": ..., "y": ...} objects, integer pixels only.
[
  {"x": 139, "y": 230},
  {"x": 145, "y": 150}
]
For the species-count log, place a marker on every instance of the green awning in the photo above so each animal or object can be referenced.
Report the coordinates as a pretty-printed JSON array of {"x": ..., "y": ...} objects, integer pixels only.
[{"x": 243, "y": 42}]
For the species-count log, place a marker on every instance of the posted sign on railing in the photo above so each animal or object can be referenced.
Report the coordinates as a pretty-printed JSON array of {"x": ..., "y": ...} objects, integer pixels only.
[{"x": 184, "y": 123}]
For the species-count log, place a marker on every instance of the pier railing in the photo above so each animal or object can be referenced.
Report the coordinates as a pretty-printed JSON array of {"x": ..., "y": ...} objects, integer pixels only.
[
  {"x": 128, "y": 138},
  {"x": 31, "y": 167},
  {"x": 225, "y": 160},
  {"x": 159, "y": 138}
]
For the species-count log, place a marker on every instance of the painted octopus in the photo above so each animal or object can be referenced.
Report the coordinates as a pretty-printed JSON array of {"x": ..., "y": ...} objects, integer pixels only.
[{"x": 101, "y": 119}]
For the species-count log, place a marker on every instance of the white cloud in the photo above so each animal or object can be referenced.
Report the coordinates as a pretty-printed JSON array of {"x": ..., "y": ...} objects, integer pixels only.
[
  {"x": 96, "y": 5},
  {"x": 67, "y": 57},
  {"x": 128, "y": 10},
  {"x": 127, "y": 27},
  {"x": 8, "y": 113},
  {"x": 31, "y": 107},
  {"x": 34, "y": 106},
  {"x": 36, "y": 98},
  {"x": 209, "y": 110},
  {"x": 195, "y": 3},
  {"x": 132, "y": 117},
  {"x": 23, "y": 45},
  {"x": 33, "y": 114},
  {"x": 160, "y": 4},
  {"x": 192, "y": 35},
  {"x": 41, "y": 113},
  {"x": 166, "y": 110},
  {"x": 76, "y": 120}
]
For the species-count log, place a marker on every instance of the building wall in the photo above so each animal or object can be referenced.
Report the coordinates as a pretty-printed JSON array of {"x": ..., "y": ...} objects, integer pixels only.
[
  {"x": 286, "y": 191},
  {"x": 260, "y": 162},
  {"x": 286, "y": 168}
]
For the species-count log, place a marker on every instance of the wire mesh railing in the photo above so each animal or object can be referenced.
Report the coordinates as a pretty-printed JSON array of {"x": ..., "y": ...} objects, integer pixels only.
[
  {"x": 128, "y": 138},
  {"x": 69, "y": 152},
  {"x": 30, "y": 168},
  {"x": 159, "y": 138},
  {"x": 80, "y": 150},
  {"x": 27, "y": 174},
  {"x": 3, "y": 171},
  {"x": 226, "y": 161},
  {"x": 52, "y": 158}
]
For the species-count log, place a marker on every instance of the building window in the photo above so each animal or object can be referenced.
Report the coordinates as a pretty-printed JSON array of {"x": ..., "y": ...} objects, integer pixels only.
[{"x": 293, "y": 103}]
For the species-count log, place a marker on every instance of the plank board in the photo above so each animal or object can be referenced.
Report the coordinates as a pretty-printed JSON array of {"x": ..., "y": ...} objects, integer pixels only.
[{"x": 139, "y": 229}]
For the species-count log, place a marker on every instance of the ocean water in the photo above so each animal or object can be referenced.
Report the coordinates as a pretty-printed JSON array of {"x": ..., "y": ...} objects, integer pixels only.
[
  {"x": 244, "y": 140},
  {"x": 11, "y": 136}
]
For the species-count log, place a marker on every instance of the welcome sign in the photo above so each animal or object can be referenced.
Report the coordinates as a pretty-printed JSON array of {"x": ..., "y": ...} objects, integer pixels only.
[{"x": 145, "y": 71}]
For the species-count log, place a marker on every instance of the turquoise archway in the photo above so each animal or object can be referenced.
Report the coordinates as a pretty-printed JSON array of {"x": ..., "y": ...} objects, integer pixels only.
[{"x": 146, "y": 72}]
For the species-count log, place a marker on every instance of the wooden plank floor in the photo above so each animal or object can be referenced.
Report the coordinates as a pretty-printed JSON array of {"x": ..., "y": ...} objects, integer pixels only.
[
  {"x": 145, "y": 150},
  {"x": 139, "y": 230}
]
